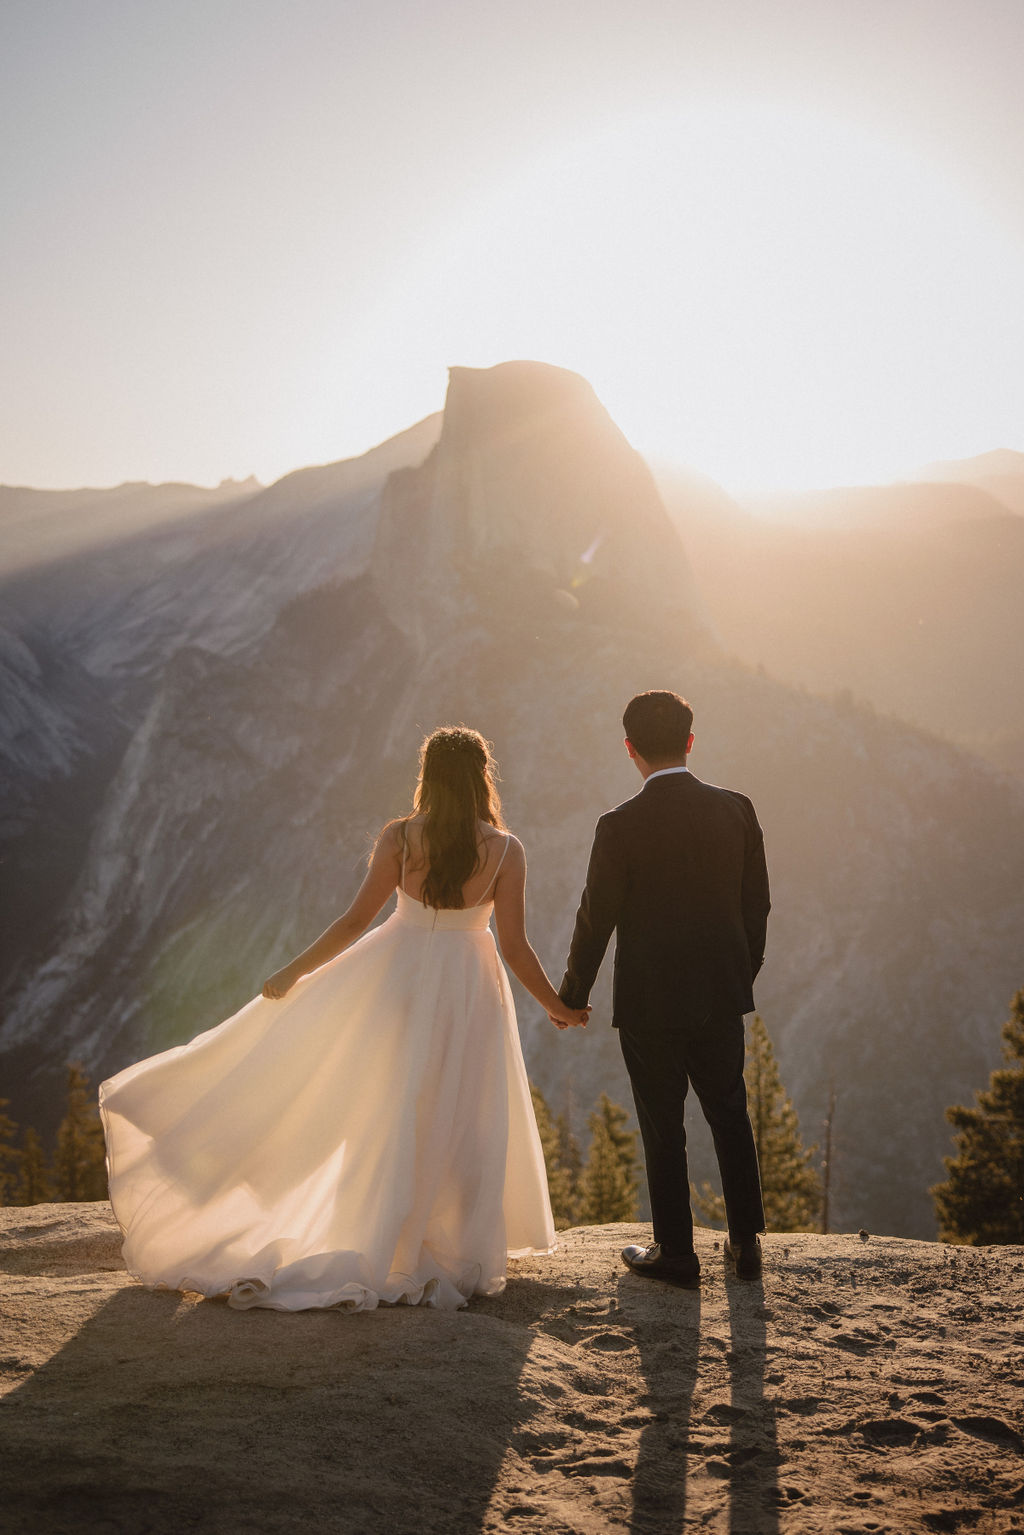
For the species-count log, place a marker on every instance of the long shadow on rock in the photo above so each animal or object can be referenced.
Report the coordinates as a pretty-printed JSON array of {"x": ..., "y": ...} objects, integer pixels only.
[
  {"x": 163, "y": 1413},
  {"x": 753, "y": 1452},
  {"x": 668, "y": 1338}
]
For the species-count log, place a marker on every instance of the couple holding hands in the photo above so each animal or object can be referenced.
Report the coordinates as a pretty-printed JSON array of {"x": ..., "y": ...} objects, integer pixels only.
[{"x": 363, "y": 1133}]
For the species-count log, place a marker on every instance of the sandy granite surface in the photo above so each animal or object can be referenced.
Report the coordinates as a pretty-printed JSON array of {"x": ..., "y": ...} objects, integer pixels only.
[{"x": 868, "y": 1384}]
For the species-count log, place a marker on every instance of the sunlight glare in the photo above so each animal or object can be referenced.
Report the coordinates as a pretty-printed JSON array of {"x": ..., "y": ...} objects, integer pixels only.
[{"x": 775, "y": 298}]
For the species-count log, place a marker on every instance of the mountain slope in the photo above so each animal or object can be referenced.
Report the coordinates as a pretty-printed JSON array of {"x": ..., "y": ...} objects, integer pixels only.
[
  {"x": 40, "y": 526},
  {"x": 89, "y": 640},
  {"x": 1000, "y": 473},
  {"x": 912, "y": 601}
]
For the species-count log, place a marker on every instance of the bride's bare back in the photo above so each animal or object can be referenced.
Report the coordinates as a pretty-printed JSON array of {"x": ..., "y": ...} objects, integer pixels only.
[{"x": 491, "y": 843}]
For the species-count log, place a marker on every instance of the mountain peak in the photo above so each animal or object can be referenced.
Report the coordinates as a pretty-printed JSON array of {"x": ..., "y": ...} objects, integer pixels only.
[
  {"x": 512, "y": 397},
  {"x": 531, "y": 482}
]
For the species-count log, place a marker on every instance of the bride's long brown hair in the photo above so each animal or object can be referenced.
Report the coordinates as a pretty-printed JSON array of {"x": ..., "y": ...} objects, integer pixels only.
[{"x": 456, "y": 790}]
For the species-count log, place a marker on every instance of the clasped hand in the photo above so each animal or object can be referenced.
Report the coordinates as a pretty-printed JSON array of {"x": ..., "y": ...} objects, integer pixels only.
[{"x": 571, "y": 1018}]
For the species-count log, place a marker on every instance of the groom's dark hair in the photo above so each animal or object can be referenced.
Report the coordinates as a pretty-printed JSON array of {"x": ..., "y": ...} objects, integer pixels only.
[{"x": 659, "y": 725}]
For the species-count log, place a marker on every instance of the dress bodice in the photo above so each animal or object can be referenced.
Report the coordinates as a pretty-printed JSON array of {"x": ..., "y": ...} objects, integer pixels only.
[{"x": 466, "y": 919}]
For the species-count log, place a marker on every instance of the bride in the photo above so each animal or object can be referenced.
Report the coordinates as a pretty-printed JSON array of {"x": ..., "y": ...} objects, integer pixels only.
[{"x": 363, "y": 1132}]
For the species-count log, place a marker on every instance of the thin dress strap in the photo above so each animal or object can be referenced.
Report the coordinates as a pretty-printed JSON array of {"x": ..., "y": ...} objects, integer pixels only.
[
  {"x": 405, "y": 849},
  {"x": 490, "y": 884}
]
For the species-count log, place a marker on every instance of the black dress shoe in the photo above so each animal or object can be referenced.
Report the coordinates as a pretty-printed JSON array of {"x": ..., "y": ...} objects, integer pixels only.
[
  {"x": 745, "y": 1257},
  {"x": 654, "y": 1264}
]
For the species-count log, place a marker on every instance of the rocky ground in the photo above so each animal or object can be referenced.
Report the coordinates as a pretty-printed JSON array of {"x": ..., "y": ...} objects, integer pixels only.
[{"x": 869, "y": 1384}]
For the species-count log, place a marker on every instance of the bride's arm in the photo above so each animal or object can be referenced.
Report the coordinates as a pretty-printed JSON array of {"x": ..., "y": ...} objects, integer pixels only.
[
  {"x": 381, "y": 879},
  {"x": 518, "y": 952}
]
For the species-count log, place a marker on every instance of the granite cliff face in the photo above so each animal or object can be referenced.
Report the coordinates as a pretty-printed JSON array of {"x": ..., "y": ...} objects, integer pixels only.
[
  {"x": 234, "y": 707},
  {"x": 531, "y": 497}
]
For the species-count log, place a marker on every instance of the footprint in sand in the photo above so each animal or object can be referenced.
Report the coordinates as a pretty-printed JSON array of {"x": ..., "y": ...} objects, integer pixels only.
[
  {"x": 609, "y": 1342},
  {"x": 993, "y": 1430}
]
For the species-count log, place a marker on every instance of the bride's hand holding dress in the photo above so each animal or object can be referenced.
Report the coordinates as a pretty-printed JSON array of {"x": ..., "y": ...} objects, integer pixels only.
[{"x": 381, "y": 880}]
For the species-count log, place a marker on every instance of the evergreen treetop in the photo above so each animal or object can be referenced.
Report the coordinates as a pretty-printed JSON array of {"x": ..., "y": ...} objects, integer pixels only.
[
  {"x": 982, "y": 1200},
  {"x": 79, "y": 1165},
  {"x": 10, "y": 1157},
  {"x": 790, "y": 1183},
  {"x": 561, "y": 1161},
  {"x": 609, "y": 1178},
  {"x": 33, "y": 1187}
]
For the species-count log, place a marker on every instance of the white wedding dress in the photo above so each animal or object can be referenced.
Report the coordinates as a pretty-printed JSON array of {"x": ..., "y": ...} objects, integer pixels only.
[{"x": 368, "y": 1138}]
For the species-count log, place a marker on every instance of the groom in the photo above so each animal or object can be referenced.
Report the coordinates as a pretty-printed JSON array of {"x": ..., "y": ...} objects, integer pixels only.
[{"x": 678, "y": 874}]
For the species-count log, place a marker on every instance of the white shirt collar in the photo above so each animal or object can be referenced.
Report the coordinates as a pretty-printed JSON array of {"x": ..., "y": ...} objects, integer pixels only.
[{"x": 663, "y": 772}]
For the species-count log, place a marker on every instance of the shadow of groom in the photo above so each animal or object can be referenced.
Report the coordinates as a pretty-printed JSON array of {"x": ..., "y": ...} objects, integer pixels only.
[
  {"x": 753, "y": 1452},
  {"x": 668, "y": 1339},
  {"x": 712, "y": 1430}
]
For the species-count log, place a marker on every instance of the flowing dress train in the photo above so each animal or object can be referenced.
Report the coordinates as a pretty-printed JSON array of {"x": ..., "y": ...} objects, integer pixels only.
[{"x": 368, "y": 1138}]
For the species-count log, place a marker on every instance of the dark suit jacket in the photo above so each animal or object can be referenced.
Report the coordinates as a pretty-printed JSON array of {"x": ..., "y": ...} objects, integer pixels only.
[{"x": 678, "y": 874}]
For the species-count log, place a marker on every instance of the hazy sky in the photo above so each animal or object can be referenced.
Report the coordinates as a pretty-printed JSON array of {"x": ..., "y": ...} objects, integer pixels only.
[{"x": 784, "y": 239}]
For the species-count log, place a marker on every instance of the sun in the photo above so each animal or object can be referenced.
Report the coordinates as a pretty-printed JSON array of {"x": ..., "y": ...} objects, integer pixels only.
[{"x": 774, "y": 297}]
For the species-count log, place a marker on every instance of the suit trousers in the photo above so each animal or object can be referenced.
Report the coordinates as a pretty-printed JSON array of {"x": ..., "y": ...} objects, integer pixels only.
[{"x": 662, "y": 1064}]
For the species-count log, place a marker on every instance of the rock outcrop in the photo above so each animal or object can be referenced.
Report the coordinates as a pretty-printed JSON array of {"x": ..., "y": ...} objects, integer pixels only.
[
  {"x": 866, "y": 1384},
  {"x": 532, "y": 497}
]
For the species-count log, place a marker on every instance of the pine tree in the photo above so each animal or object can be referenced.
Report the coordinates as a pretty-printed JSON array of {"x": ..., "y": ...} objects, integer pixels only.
[
  {"x": 609, "y": 1178},
  {"x": 34, "y": 1182},
  {"x": 562, "y": 1183},
  {"x": 571, "y": 1160},
  {"x": 708, "y": 1207},
  {"x": 79, "y": 1167},
  {"x": 982, "y": 1200},
  {"x": 790, "y": 1183},
  {"x": 10, "y": 1157}
]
